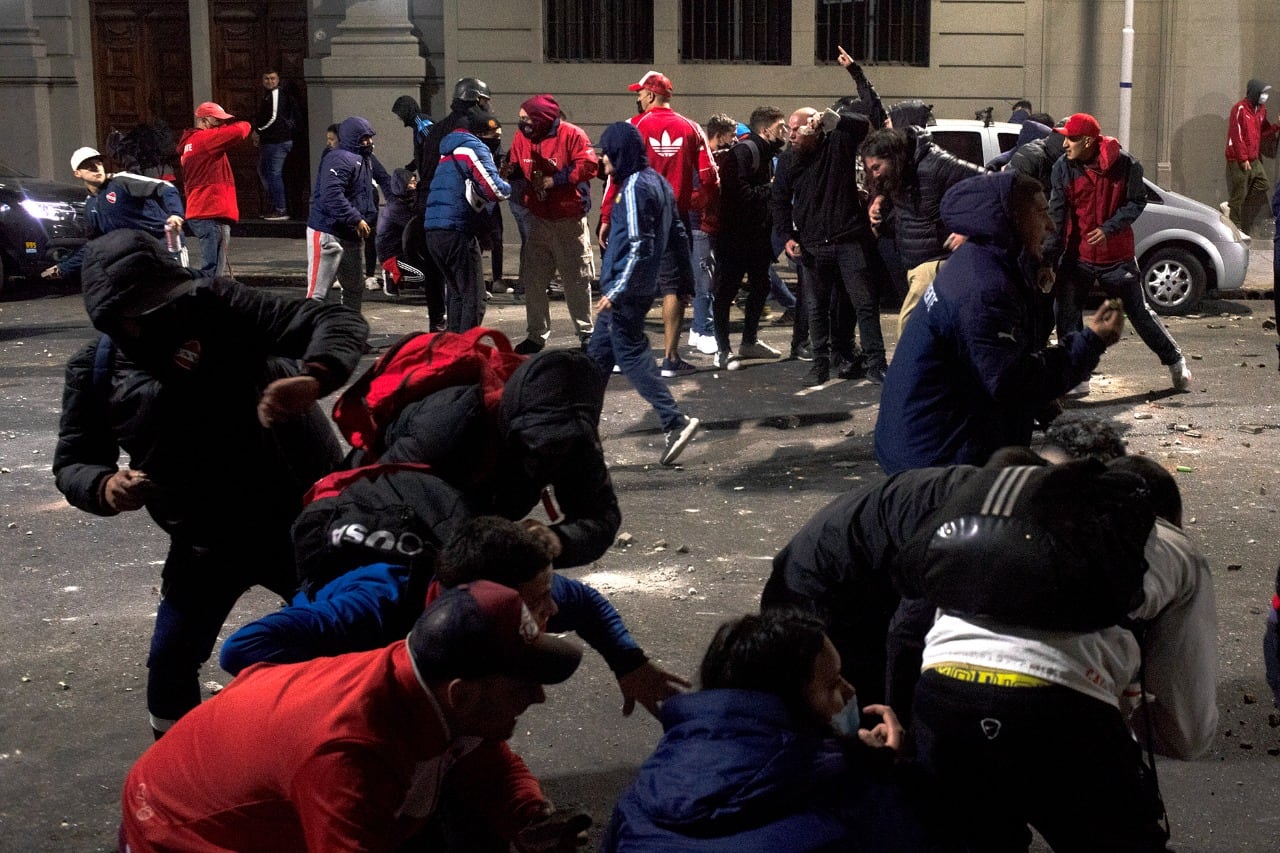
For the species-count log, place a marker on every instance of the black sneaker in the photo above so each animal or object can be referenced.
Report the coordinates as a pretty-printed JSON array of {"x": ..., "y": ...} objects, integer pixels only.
[
  {"x": 875, "y": 375},
  {"x": 851, "y": 368},
  {"x": 819, "y": 373},
  {"x": 786, "y": 318},
  {"x": 529, "y": 346},
  {"x": 678, "y": 439},
  {"x": 802, "y": 352}
]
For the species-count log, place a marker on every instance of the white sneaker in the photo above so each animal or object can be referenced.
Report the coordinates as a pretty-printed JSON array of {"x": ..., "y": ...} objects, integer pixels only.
[
  {"x": 1180, "y": 374},
  {"x": 677, "y": 440},
  {"x": 694, "y": 338},
  {"x": 372, "y": 283},
  {"x": 722, "y": 359},
  {"x": 1081, "y": 390},
  {"x": 758, "y": 350},
  {"x": 735, "y": 363},
  {"x": 707, "y": 344}
]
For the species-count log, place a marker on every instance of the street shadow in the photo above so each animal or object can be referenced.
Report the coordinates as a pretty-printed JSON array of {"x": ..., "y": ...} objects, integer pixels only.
[{"x": 40, "y": 331}]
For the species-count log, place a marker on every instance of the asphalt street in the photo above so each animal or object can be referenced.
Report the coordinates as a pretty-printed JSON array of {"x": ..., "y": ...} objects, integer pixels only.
[{"x": 79, "y": 592}]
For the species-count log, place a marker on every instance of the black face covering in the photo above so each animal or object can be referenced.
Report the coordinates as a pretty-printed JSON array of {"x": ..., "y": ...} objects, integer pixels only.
[
  {"x": 639, "y": 107},
  {"x": 775, "y": 145},
  {"x": 493, "y": 144},
  {"x": 526, "y": 127}
]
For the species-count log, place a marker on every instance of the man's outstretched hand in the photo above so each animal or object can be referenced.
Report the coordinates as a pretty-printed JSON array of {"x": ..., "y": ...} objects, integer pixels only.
[
  {"x": 287, "y": 398},
  {"x": 557, "y": 831},
  {"x": 650, "y": 685}
]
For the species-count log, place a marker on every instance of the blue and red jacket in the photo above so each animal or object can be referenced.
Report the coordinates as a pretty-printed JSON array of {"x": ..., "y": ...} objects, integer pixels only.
[
  {"x": 1106, "y": 193},
  {"x": 462, "y": 155}
]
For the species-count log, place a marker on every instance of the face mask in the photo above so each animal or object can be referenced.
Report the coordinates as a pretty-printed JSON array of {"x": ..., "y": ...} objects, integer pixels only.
[
  {"x": 1262, "y": 99},
  {"x": 526, "y": 127},
  {"x": 639, "y": 107},
  {"x": 493, "y": 144},
  {"x": 849, "y": 719}
]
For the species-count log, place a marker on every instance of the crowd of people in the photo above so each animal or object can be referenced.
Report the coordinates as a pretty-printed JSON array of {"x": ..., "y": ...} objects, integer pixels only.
[{"x": 893, "y": 684}]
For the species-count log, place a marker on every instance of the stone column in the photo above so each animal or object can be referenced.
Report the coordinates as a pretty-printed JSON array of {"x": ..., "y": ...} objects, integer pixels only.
[
  {"x": 374, "y": 57},
  {"x": 24, "y": 89}
]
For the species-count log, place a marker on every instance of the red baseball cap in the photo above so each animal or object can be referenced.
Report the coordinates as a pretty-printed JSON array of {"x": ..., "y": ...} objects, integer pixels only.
[
  {"x": 483, "y": 628},
  {"x": 211, "y": 110},
  {"x": 1080, "y": 124},
  {"x": 659, "y": 84}
]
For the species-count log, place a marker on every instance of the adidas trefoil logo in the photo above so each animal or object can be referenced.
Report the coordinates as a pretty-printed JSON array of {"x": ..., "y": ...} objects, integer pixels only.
[{"x": 666, "y": 146}]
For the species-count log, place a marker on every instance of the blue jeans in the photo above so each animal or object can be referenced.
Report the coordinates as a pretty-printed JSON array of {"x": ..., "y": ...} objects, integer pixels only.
[
  {"x": 1121, "y": 280},
  {"x": 271, "y": 171},
  {"x": 215, "y": 238},
  {"x": 704, "y": 270},
  {"x": 200, "y": 586},
  {"x": 619, "y": 338}
]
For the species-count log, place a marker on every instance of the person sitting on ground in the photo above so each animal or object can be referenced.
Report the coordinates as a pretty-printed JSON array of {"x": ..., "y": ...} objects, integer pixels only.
[
  {"x": 752, "y": 761},
  {"x": 355, "y": 752}
]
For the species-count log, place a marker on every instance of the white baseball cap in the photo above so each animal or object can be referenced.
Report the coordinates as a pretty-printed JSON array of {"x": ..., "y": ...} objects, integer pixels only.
[{"x": 81, "y": 154}]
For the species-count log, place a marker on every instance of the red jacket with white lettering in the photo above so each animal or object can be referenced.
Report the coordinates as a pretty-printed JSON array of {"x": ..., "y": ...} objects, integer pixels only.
[
  {"x": 206, "y": 172},
  {"x": 679, "y": 152}
]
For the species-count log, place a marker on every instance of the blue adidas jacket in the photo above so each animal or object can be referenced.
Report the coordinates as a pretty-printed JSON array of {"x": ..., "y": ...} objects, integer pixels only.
[
  {"x": 462, "y": 155},
  {"x": 969, "y": 375},
  {"x": 643, "y": 225}
]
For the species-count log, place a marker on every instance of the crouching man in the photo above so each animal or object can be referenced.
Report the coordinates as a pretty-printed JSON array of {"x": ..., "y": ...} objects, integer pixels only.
[{"x": 354, "y": 752}]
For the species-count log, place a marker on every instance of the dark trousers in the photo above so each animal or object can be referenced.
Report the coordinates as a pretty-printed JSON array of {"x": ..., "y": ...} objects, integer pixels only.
[
  {"x": 457, "y": 257},
  {"x": 844, "y": 266},
  {"x": 1049, "y": 757},
  {"x": 414, "y": 244},
  {"x": 199, "y": 587},
  {"x": 731, "y": 265},
  {"x": 1122, "y": 280}
]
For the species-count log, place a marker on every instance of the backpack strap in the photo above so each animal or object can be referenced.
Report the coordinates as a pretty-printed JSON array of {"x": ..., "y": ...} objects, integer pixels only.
[{"x": 103, "y": 360}]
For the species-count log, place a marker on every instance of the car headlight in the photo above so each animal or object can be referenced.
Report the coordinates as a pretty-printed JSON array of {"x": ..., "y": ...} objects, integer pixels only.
[{"x": 53, "y": 211}]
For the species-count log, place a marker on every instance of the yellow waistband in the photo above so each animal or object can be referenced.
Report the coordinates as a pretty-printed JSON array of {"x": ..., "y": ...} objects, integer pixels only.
[{"x": 998, "y": 677}]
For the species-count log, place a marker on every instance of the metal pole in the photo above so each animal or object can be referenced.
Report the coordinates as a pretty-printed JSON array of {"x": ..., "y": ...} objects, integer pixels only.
[{"x": 1126, "y": 74}]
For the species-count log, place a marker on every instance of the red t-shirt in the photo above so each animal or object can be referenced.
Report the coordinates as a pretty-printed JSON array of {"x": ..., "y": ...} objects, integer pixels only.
[{"x": 336, "y": 754}]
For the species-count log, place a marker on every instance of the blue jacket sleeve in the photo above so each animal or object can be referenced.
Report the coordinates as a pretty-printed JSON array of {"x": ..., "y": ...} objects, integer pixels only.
[
  {"x": 583, "y": 610},
  {"x": 351, "y": 613}
]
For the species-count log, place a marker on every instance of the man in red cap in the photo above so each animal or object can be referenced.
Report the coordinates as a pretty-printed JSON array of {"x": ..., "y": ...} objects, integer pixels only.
[
  {"x": 678, "y": 151},
  {"x": 356, "y": 752},
  {"x": 1097, "y": 193},
  {"x": 555, "y": 162},
  {"x": 210, "y": 185}
]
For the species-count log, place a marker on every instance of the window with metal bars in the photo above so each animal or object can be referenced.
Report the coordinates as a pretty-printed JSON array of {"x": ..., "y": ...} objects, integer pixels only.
[
  {"x": 886, "y": 32},
  {"x": 748, "y": 31},
  {"x": 599, "y": 30}
]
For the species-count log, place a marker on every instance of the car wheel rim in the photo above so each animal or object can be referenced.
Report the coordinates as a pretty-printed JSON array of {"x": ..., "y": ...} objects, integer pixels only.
[{"x": 1168, "y": 283}]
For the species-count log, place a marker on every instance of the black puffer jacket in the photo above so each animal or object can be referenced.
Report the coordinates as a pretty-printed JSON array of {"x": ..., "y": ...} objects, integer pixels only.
[
  {"x": 545, "y": 436},
  {"x": 918, "y": 227},
  {"x": 1036, "y": 158},
  {"x": 180, "y": 397}
]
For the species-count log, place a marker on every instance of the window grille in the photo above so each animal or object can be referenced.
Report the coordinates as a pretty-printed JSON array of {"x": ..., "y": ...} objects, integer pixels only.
[
  {"x": 747, "y": 31},
  {"x": 599, "y": 31},
  {"x": 873, "y": 31}
]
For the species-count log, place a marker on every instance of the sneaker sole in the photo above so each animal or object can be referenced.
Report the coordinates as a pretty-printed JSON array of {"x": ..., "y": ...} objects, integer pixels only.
[{"x": 672, "y": 453}]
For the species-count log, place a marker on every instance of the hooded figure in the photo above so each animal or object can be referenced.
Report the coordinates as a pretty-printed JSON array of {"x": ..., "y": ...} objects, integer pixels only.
[
  {"x": 912, "y": 112},
  {"x": 1250, "y": 137},
  {"x": 970, "y": 375},
  {"x": 543, "y": 112},
  {"x": 178, "y": 387}
]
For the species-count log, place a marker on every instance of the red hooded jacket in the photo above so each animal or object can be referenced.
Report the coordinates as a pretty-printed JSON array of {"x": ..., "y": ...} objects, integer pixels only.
[
  {"x": 561, "y": 151},
  {"x": 1247, "y": 126},
  {"x": 207, "y": 177},
  {"x": 1107, "y": 193}
]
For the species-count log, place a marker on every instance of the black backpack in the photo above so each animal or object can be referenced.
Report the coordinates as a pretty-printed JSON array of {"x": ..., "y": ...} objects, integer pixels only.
[
  {"x": 1053, "y": 547},
  {"x": 384, "y": 513}
]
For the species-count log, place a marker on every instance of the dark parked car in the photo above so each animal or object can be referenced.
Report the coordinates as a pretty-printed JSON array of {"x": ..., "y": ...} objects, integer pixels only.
[{"x": 41, "y": 222}]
